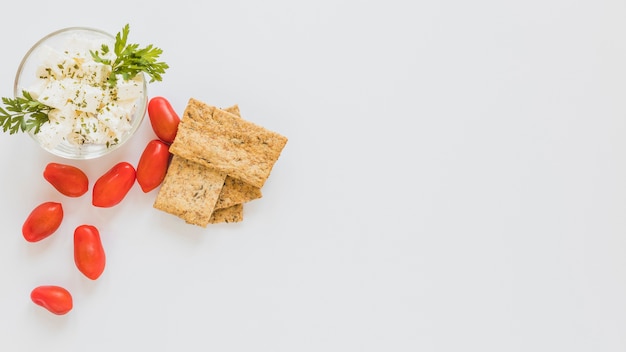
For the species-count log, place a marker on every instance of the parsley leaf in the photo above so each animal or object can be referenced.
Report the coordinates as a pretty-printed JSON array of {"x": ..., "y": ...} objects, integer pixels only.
[
  {"x": 130, "y": 59},
  {"x": 23, "y": 114}
]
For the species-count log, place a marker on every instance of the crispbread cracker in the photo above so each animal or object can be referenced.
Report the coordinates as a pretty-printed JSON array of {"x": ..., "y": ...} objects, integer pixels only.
[
  {"x": 190, "y": 191},
  {"x": 216, "y": 138},
  {"x": 236, "y": 191},
  {"x": 233, "y": 213},
  {"x": 234, "y": 109},
  {"x": 198, "y": 189}
]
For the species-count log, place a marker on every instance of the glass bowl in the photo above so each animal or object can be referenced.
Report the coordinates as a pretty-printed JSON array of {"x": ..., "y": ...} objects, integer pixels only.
[{"x": 47, "y": 49}]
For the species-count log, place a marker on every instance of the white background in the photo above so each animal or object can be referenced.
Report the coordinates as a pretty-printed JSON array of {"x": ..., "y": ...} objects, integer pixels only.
[{"x": 454, "y": 180}]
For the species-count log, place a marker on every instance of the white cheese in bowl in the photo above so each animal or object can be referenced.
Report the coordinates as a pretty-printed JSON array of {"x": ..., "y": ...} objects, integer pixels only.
[{"x": 86, "y": 109}]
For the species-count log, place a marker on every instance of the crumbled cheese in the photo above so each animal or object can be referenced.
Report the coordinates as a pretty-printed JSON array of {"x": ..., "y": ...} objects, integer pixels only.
[
  {"x": 129, "y": 90},
  {"x": 86, "y": 110}
]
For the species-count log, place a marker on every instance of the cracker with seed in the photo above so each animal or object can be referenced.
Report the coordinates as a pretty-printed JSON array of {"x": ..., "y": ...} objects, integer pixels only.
[
  {"x": 216, "y": 138},
  {"x": 190, "y": 191},
  {"x": 236, "y": 191},
  {"x": 230, "y": 214},
  {"x": 229, "y": 206}
]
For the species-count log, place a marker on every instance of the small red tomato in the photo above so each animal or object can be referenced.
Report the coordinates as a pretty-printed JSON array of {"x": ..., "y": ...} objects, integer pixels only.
[
  {"x": 55, "y": 299},
  {"x": 152, "y": 165},
  {"x": 88, "y": 251},
  {"x": 42, "y": 221},
  {"x": 163, "y": 119},
  {"x": 113, "y": 185},
  {"x": 67, "y": 179}
]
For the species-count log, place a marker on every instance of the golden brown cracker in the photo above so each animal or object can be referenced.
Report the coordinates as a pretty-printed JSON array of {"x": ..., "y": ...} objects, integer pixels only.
[
  {"x": 236, "y": 191},
  {"x": 230, "y": 214},
  {"x": 233, "y": 110},
  {"x": 190, "y": 191},
  {"x": 216, "y": 138}
]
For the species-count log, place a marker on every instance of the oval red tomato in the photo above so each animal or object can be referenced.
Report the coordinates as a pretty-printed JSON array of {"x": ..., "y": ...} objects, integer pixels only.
[
  {"x": 113, "y": 185},
  {"x": 55, "y": 299},
  {"x": 163, "y": 118},
  {"x": 89, "y": 253},
  {"x": 42, "y": 221},
  {"x": 152, "y": 165},
  {"x": 67, "y": 179}
]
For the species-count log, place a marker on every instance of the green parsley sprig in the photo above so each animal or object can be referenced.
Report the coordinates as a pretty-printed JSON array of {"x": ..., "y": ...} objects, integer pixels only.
[
  {"x": 130, "y": 59},
  {"x": 23, "y": 114}
]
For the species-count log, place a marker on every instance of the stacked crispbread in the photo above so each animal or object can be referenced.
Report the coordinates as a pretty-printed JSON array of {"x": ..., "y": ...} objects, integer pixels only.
[{"x": 220, "y": 161}]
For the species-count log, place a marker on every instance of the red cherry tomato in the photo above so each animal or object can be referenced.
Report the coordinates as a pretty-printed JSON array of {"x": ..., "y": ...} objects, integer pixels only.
[
  {"x": 113, "y": 185},
  {"x": 152, "y": 165},
  {"x": 67, "y": 179},
  {"x": 88, "y": 251},
  {"x": 163, "y": 119},
  {"x": 42, "y": 221},
  {"x": 55, "y": 299}
]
